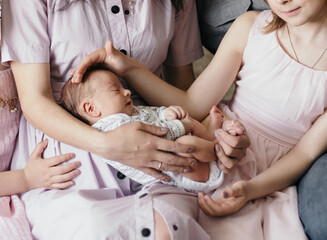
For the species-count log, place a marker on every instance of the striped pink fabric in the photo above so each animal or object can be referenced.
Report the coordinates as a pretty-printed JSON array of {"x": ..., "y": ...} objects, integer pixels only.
[{"x": 13, "y": 221}]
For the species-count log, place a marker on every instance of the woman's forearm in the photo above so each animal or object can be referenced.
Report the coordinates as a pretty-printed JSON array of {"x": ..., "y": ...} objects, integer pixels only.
[
  {"x": 53, "y": 120},
  {"x": 153, "y": 89},
  {"x": 41, "y": 110}
]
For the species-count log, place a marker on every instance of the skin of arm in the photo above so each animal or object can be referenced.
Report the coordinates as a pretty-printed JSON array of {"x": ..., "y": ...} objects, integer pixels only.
[
  {"x": 285, "y": 172},
  {"x": 141, "y": 150},
  {"x": 210, "y": 86},
  {"x": 207, "y": 90},
  {"x": 181, "y": 77}
]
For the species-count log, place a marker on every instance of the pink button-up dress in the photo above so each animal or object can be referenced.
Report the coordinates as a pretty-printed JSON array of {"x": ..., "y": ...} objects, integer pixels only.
[
  {"x": 102, "y": 205},
  {"x": 13, "y": 221}
]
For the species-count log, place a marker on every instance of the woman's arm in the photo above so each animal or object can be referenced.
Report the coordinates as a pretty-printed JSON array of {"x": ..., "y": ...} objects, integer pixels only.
[
  {"x": 206, "y": 91},
  {"x": 139, "y": 150},
  {"x": 181, "y": 77},
  {"x": 285, "y": 172},
  {"x": 40, "y": 173}
]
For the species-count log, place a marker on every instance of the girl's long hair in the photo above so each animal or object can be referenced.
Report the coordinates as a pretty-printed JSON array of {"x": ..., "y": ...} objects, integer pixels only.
[{"x": 275, "y": 24}]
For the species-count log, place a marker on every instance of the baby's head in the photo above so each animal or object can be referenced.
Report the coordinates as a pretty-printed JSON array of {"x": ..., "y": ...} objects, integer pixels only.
[{"x": 99, "y": 95}]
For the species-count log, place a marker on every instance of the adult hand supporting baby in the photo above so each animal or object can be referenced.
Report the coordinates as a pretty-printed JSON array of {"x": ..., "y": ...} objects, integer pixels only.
[
  {"x": 230, "y": 148},
  {"x": 145, "y": 150}
]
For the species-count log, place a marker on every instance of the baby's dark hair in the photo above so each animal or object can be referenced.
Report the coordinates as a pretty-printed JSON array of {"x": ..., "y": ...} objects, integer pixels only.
[{"x": 72, "y": 94}]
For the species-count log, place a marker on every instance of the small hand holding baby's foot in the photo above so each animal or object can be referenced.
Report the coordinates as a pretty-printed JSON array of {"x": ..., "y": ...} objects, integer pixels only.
[{"x": 233, "y": 127}]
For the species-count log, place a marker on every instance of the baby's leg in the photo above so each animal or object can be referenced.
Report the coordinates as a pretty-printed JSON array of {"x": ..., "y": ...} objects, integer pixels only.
[
  {"x": 215, "y": 122},
  {"x": 207, "y": 127},
  {"x": 204, "y": 153}
]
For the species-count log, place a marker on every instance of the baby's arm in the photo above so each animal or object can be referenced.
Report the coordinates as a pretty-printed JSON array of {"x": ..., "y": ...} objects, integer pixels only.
[
  {"x": 40, "y": 173},
  {"x": 193, "y": 126}
]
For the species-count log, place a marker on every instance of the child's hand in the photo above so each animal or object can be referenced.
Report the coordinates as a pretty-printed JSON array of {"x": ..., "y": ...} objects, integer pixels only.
[
  {"x": 45, "y": 173},
  {"x": 233, "y": 127},
  {"x": 175, "y": 112},
  {"x": 232, "y": 200}
]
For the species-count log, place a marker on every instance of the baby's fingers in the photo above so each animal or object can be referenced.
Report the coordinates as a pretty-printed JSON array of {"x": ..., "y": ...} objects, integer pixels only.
[{"x": 171, "y": 115}]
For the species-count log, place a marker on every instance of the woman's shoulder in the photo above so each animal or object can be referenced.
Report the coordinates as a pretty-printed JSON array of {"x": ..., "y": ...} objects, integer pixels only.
[
  {"x": 247, "y": 18},
  {"x": 253, "y": 18},
  {"x": 237, "y": 36},
  {"x": 252, "y": 23}
]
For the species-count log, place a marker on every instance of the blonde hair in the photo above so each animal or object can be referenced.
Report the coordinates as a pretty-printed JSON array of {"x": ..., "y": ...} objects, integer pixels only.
[{"x": 275, "y": 23}]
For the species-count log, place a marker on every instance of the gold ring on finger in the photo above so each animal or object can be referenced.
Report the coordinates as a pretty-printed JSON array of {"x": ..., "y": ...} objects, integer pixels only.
[{"x": 160, "y": 165}]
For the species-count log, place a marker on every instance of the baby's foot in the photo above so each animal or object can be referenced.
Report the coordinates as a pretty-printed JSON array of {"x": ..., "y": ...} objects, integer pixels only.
[
  {"x": 215, "y": 122},
  {"x": 233, "y": 127}
]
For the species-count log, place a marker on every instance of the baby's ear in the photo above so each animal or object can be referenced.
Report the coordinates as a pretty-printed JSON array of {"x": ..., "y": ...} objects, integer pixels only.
[{"x": 90, "y": 108}]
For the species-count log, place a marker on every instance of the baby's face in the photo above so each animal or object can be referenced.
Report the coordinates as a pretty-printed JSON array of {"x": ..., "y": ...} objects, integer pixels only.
[{"x": 110, "y": 96}]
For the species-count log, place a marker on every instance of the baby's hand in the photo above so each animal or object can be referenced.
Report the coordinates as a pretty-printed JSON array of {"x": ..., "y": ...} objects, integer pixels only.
[
  {"x": 233, "y": 127},
  {"x": 46, "y": 173},
  {"x": 175, "y": 112}
]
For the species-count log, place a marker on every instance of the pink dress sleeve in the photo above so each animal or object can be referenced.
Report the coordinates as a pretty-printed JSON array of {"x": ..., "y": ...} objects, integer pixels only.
[
  {"x": 185, "y": 46},
  {"x": 13, "y": 221},
  {"x": 25, "y": 38}
]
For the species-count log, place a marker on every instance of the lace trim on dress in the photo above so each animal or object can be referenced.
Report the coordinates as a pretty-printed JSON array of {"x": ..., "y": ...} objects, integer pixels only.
[{"x": 11, "y": 104}]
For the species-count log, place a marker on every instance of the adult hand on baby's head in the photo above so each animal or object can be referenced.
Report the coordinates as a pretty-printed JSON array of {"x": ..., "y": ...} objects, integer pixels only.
[
  {"x": 46, "y": 173},
  {"x": 109, "y": 57}
]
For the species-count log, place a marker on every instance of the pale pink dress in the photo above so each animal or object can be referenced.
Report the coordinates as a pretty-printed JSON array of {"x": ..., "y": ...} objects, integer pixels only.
[
  {"x": 277, "y": 99},
  {"x": 13, "y": 221}
]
